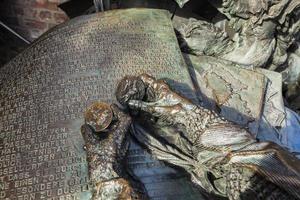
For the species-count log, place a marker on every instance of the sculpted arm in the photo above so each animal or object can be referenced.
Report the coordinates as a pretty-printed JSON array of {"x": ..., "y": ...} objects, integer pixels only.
[
  {"x": 224, "y": 158},
  {"x": 106, "y": 154}
]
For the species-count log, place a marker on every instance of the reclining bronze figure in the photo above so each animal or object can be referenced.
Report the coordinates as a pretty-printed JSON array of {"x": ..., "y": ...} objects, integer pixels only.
[{"x": 222, "y": 158}]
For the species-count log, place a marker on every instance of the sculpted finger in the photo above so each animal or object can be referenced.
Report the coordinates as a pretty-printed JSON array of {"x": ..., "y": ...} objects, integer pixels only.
[
  {"x": 116, "y": 111},
  {"x": 147, "y": 79},
  {"x": 141, "y": 105},
  {"x": 155, "y": 89},
  {"x": 151, "y": 82},
  {"x": 152, "y": 108},
  {"x": 130, "y": 87},
  {"x": 88, "y": 135},
  {"x": 123, "y": 119}
]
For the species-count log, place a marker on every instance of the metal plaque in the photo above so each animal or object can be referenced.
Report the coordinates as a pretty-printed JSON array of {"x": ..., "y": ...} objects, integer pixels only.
[{"x": 45, "y": 90}]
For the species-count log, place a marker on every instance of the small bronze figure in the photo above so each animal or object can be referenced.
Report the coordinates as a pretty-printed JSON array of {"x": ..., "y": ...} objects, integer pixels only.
[
  {"x": 223, "y": 158},
  {"x": 106, "y": 153}
]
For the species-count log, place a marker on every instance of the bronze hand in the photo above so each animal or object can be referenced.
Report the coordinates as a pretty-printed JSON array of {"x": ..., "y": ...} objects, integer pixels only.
[
  {"x": 106, "y": 153},
  {"x": 221, "y": 148}
]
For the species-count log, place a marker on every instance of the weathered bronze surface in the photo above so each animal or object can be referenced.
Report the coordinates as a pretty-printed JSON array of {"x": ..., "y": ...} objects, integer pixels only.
[
  {"x": 99, "y": 116},
  {"x": 130, "y": 88},
  {"x": 45, "y": 90},
  {"x": 254, "y": 34},
  {"x": 222, "y": 157},
  {"x": 106, "y": 157}
]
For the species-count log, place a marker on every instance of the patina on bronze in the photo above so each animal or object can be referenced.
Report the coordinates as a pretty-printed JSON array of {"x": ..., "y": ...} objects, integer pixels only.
[
  {"x": 45, "y": 91},
  {"x": 106, "y": 156},
  {"x": 221, "y": 156},
  {"x": 99, "y": 116},
  {"x": 130, "y": 88}
]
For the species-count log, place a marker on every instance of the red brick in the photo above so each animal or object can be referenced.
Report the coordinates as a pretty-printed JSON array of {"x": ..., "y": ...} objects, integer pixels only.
[
  {"x": 22, "y": 2},
  {"x": 35, "y": 24},
  {"x": 41, "y": 2},
  {"x": 57, "y": 1},
  {"x": 30, "y": 13},
  {"x": 47, "y": 6},
  {"x": 59, "y": 17},
  {"x": 45, "y": 15},
  {"x": 32, "y": 17},
  {"x": 26, "y": 2}
]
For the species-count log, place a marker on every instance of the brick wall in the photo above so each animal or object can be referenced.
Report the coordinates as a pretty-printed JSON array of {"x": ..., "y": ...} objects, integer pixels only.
[{"x": 31, "y": 18}]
